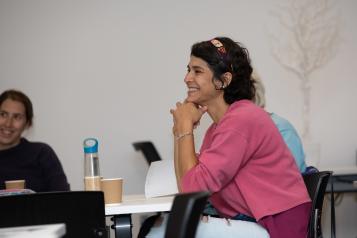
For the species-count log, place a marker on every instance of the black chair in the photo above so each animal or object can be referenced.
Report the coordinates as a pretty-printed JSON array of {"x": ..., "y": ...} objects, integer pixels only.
[
  {"x": 316, "y": 184},
  {"x": 82, "y": 211},
  {"x": 185, "y": 215},
  {"x": 148, "y": 149}
]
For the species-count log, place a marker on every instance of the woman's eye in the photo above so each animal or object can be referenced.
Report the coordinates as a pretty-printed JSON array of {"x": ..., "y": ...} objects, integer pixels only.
[
  {"x": 18, "y": 117},
  {"x": 3, "y": 114}
]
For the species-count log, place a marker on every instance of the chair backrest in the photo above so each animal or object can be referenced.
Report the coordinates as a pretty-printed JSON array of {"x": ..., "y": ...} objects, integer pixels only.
[
  {"x": 316, "y": 186},
  {"x": 148, "y": 149},
  {"x": 185, "y": 214},
  {"x": 83, "y": 212}
]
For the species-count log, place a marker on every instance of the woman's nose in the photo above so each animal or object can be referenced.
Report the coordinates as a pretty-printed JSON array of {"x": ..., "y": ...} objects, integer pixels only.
[
  {"x": 8, "y": 121},
  {"x": 187, "y": 78}
]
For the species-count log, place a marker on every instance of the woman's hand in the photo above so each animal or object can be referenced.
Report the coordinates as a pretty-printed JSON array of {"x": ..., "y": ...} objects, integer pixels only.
[{"x": 186, "y": 116}]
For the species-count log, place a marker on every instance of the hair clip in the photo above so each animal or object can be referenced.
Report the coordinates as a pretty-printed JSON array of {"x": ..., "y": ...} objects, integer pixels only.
[
  {"x": 219, "y": 46},
  {"x": 222, "y": 53}
]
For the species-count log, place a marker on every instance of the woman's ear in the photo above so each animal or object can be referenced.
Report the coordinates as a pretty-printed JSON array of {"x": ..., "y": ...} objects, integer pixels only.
[{"x": 227, "y": 78}]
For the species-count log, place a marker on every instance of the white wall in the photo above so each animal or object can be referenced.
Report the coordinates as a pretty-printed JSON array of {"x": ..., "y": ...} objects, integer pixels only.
[{"x": 112, "y": 70}]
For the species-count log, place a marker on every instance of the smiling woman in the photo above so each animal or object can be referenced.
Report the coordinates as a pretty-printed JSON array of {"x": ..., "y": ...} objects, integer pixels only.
[
  {"x": 243, "y": 160},
  {"x": 34, "y": 162},
  {"x": 13, "y": 121}
]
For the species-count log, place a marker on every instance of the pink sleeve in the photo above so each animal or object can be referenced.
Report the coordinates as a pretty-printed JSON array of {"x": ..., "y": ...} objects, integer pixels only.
[{"x": 217, "y": 164}]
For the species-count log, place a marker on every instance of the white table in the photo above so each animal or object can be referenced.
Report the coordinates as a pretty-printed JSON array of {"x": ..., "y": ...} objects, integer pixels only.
[
  {"x": 134, "y": 204},
  {"x": 38, "y": 231}
]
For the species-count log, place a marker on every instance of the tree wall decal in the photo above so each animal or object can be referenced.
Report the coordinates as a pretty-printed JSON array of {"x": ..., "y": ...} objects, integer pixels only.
[{"x": 308, "y": 40}]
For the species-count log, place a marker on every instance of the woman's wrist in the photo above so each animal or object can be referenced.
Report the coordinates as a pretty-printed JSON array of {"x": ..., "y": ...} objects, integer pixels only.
[
  {"x": 184, "y": 127},
  {"x": 181, "y": 136}
]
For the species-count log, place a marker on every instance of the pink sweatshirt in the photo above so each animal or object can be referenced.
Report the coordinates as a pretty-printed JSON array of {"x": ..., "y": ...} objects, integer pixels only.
[{"x": 247, "y": 166}]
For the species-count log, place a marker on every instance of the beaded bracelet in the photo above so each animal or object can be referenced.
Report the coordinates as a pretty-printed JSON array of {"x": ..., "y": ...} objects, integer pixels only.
[{"x": 180, "y": 136}]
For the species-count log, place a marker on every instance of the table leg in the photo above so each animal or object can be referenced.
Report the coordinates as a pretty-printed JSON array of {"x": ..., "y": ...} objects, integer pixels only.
[{"x": 122, "y": 226}]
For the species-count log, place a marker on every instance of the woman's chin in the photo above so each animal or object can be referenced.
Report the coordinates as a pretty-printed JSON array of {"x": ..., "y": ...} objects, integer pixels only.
[
  {"x": 194, "y": 102},
  {"x": 188, "y": 99}
]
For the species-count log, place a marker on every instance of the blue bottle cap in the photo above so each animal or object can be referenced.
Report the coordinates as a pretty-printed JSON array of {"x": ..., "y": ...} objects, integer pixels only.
[{"x": 90, "y": 145}]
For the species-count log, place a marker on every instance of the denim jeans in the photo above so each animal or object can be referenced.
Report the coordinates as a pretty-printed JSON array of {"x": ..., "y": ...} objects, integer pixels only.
[{"x": 217, "y": 227}]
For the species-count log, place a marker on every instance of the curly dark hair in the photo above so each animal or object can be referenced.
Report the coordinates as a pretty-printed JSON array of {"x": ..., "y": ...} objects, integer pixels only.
[
  {"x": 235, "y": 60},
  {"x": 19, "y": 97}
]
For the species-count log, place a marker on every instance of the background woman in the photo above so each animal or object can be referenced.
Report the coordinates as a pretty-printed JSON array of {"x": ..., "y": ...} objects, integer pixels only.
[{"x": 34, "y": 162}]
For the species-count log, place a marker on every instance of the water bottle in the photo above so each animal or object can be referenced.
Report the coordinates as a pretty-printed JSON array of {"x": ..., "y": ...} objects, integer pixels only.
[{"x": 91, "y": 165}]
